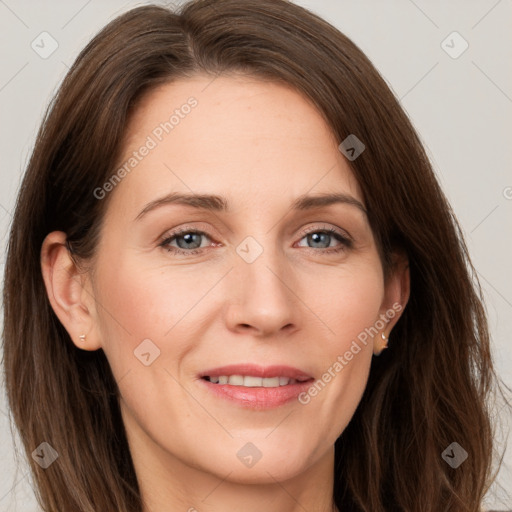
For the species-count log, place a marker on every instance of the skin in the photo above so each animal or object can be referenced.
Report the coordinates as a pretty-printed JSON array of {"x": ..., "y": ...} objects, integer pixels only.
[{"x": 261, "y": 145}]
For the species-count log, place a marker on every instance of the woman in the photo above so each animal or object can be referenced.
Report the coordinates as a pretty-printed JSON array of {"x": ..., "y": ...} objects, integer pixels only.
[{"x": 226, "y": 216}]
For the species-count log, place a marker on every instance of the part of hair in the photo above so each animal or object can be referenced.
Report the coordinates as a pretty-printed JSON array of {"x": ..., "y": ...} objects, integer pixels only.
[{"x": 429, "y": 389}]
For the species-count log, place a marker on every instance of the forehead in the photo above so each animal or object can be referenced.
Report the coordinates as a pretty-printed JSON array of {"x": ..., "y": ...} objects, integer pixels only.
[{"x": 254, "y": 140}]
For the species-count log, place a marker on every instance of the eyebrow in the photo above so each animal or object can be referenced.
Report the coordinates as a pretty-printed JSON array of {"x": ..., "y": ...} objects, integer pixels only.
[{"x": 216, "y": 203}]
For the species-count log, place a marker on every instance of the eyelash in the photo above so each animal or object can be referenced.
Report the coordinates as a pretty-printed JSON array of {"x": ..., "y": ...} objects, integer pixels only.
[{"x": 346, "y": 243}]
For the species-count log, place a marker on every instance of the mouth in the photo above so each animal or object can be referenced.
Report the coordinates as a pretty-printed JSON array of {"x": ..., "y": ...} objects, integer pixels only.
[
  {"x": 249, "y": 381},
  {"x": 256, "y": 387}
]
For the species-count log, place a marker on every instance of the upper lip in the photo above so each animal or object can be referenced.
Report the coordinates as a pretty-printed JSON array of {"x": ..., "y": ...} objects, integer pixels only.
[{"x": 257, "y": 371}]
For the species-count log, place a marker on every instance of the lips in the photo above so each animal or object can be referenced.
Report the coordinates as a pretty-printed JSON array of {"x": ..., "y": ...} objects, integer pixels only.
[
  {"x": 256, "y": 387},
  {"x": 257, "y": 371},
  {"x": 248, "y": 381}
]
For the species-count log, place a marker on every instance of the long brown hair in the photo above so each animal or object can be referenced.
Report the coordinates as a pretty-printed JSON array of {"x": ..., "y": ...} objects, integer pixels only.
[{"x": 429, "y": 389}]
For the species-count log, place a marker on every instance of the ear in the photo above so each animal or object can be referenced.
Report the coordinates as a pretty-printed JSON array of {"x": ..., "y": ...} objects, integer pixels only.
[
  {"x": 69, "y": 292},
  {"x": 397, "y": 289}
]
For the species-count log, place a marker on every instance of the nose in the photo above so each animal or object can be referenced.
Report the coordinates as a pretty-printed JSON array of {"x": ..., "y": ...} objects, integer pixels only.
[{"x": 261, "y": 297}]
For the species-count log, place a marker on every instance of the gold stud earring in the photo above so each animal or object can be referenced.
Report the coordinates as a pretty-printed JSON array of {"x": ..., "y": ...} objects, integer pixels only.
[
  {"x": 82, "y": 337},
  {"x": 383, "y": 346}
]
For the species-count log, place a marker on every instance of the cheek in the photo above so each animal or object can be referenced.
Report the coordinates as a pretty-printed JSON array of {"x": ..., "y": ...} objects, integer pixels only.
[
  {"x": 349, "y": 305},
  {"x": 144, "y": 300},
  {"x": 136, "y": 306},
  {"x": 158, "y": 303},
  {"x": 350, "y": 309}
]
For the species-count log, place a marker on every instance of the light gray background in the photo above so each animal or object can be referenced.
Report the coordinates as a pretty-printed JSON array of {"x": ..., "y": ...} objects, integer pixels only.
[{"x": 461, "y": 108}]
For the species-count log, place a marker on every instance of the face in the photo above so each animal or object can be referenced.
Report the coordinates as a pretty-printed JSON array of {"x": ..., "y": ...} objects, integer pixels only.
[{"x": 257, "y": 279}]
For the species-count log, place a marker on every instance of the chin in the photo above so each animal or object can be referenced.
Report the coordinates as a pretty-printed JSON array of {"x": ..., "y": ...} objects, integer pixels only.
[{"x": 251, "y": 465}]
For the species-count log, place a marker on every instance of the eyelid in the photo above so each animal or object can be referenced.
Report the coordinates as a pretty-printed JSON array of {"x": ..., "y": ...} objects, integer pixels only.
[
  {"x": 303, "y": 232},
  {"x": 313, "y": 229},
  {"x": 183, "y": 229}
]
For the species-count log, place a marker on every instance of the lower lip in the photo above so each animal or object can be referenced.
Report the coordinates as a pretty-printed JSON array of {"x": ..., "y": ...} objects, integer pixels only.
[{"x": 258, "y": 397}]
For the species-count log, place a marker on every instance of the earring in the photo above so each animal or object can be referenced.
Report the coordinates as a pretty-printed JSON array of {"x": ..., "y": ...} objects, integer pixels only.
[
  {"x": 378, "y": 352},
  {"x": 82, "y": 337}
]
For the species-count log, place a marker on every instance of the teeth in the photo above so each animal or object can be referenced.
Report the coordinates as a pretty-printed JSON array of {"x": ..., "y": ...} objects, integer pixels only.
[
  {"x": 249, "y": 381},
  {"x": 236, "y": 380},
  {"x": 273, "y": 382}
]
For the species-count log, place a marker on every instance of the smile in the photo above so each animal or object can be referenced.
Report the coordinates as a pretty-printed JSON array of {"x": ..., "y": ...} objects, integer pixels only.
[
  {"x": 255, "y": 387},
  {"x": 250, "y": 381}
]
